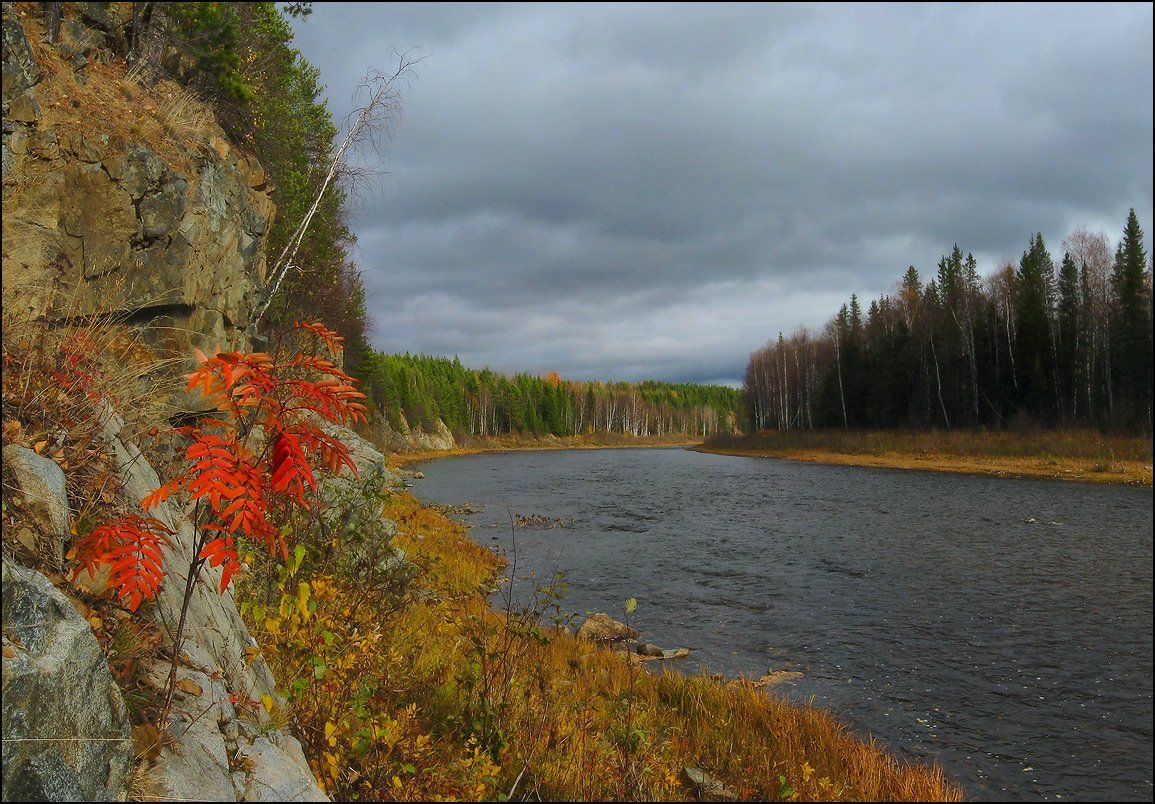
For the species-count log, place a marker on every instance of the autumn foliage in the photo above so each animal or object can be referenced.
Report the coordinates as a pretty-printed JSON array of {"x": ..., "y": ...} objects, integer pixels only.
[{"x": 252, "y": 457}]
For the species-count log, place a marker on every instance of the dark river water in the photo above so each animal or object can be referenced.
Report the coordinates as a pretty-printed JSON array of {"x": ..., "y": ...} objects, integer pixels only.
[{"x": 1002, "y": 628}]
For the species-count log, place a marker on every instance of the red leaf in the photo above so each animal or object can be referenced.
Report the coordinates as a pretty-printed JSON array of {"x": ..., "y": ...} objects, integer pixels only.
[
  {"x": 328, "y": 336},
  {"x": 130, "y": 546}
]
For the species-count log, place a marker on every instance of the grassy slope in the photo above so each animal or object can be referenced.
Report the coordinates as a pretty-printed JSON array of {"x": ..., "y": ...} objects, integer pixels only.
[
  {"x": 477, "y": 702},
  {"x": 1084, "y": 455}
]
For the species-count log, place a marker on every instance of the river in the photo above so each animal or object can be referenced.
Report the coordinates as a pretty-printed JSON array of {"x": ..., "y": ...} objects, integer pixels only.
[{"x": 1002, "y": 628}]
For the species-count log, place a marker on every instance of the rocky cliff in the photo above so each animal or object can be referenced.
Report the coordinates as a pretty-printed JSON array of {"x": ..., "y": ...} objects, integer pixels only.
[
  {"x": 414, "y": 439},
  {"x": 121, "y": 193}
]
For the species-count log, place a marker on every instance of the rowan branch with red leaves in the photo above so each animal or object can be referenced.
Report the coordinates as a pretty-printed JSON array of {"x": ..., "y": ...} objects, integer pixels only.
[{"x": 237, "y": 490}]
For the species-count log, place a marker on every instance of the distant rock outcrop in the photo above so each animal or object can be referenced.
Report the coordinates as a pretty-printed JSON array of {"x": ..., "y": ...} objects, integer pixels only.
[{"x": 409, "y": 439}]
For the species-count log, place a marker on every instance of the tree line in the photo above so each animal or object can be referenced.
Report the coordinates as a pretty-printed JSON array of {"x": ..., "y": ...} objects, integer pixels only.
[
  {"x": 1025, "y": 345},
  {"x": 426, "y": 389}
]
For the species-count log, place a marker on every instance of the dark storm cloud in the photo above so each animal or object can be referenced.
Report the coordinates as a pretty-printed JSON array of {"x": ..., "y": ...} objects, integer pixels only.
[{"x": 647, "y": 191}]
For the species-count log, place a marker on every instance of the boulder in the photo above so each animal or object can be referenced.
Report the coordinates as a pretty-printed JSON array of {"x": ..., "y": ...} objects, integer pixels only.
[
  {"x": 652, "y": 653},
  {"x": 707, "y": 787},
  {"x": 775, "y": 677},
  {"x": 66, "y": 728},
  {"x": 42, "y": 486},
  {"x": 601, "y": 627}
]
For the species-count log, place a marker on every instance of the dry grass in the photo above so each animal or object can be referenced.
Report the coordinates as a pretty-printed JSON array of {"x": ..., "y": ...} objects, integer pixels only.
[
  {"x": 441, "y": 696},
  {"x": 56, "y": 375},
  {"x": 470, "y": 702},
  {"x": 1069, "y": 454},
  {"x": 131, "y": 106}
]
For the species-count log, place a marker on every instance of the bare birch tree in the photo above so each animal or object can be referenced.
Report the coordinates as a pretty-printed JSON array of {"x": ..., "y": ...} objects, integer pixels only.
[{"x": 371, "y": 123}]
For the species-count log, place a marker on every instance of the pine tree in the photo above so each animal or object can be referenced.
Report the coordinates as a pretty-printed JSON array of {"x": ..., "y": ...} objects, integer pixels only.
[{"x": 1131, "y": 324}]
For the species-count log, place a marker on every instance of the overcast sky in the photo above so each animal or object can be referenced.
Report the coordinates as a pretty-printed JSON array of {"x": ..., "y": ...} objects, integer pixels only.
[{"x": 629, "y": 192}]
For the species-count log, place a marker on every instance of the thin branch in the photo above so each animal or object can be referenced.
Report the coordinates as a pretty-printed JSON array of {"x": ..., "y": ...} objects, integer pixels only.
[{"x": 372, "y": 121}]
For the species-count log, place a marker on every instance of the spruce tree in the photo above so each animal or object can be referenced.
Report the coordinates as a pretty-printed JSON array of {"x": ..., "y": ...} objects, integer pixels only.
[
  {"x": 1034, "y": 284},
  {"x": 1131, "y": 324}
]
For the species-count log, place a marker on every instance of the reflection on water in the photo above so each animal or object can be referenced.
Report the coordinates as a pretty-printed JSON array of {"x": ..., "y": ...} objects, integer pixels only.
[{"x": 928, "y": 610}]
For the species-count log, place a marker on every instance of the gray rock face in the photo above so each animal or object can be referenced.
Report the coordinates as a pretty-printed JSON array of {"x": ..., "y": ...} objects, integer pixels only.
[
  {"x": 66, "y": 729},
  {"x": 199, "y": 766},
  {"x": 42, "y": 485},
  {"x": 353, "y": 511},
  {"x": 97, "y": 16},
  {"x": 280, "y": 773},
  {"x": 163, "y": 210}
]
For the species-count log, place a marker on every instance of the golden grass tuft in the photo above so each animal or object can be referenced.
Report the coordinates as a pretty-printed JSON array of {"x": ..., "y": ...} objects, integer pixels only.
[{"x": 130, "y": 105}]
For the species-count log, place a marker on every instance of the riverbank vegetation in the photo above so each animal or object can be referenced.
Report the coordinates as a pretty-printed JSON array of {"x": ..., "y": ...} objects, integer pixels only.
[
  {"x": 481, "y": 404},
  {"x": 401, "y": 679},
  {"x": 433, "y": 694},
  {"x": 1025, "y": 346},
  {"x": 1069, "y": 454},
  {"x": 525, "y": 443}
]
